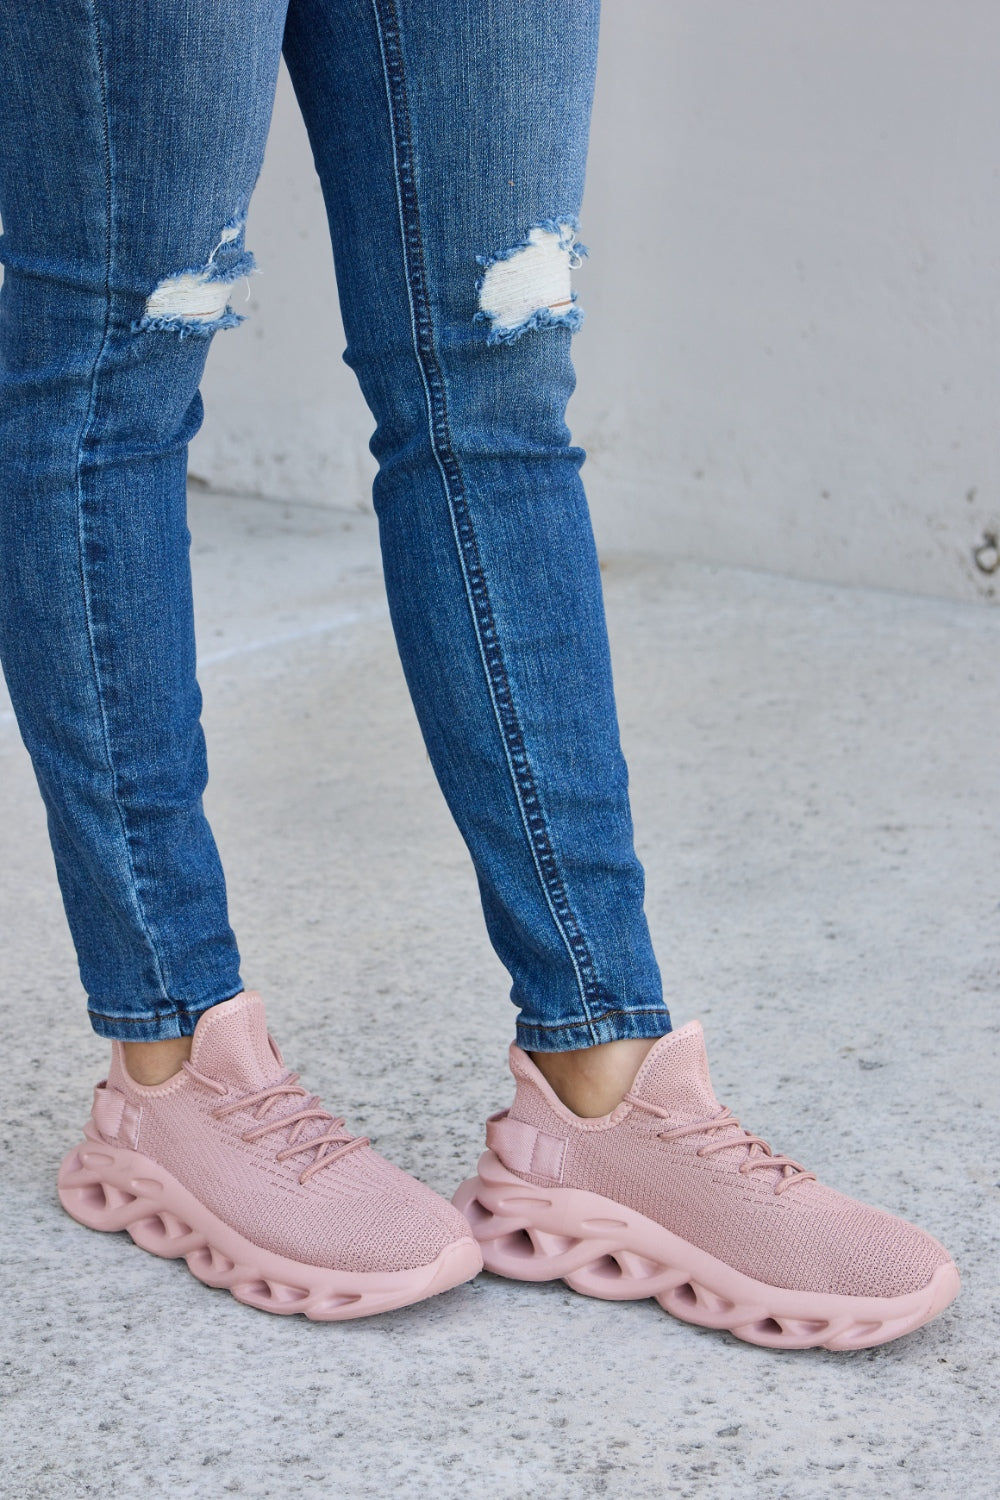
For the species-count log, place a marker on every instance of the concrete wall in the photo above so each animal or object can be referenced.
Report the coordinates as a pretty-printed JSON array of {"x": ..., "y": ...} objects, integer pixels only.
[{"x": 790, "y": 355}]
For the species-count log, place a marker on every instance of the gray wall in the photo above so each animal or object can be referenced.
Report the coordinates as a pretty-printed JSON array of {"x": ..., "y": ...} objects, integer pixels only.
[{"x": 790, "y": 358}]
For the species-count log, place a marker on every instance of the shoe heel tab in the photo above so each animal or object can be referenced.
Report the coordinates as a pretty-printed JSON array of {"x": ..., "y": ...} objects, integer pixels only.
[
  {"x": 525, "y": 1150},
  {"x": 116, "y": 1117}
]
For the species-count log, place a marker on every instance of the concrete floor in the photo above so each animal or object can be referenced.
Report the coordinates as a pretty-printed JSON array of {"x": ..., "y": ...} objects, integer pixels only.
[{"x": 815, "y": 785}]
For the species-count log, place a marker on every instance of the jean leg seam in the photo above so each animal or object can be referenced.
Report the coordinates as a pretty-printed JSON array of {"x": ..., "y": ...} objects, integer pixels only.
[
  {"x": 85, "y": 430},
  {"x": 178, "y": 1010},
  {"x": 473, "y": 575},
  {"x": 606, "y": 1015}
]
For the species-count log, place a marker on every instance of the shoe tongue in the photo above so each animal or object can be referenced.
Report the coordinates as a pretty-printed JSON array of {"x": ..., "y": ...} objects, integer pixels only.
[
  {"x": 674, "y": 1076},
  {"x": 231, "y": 1044}
]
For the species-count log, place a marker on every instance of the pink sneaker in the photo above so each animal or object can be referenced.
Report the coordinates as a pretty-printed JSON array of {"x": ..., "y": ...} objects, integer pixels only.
[
  {"x": 235, "y": 1167},
  {"x": 668, "y": 1197}
]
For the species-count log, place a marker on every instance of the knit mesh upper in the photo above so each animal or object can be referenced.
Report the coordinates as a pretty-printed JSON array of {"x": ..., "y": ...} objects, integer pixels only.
[
  {"x": 359, "y": 1213},
  {"x": 806, "y": 1237}
]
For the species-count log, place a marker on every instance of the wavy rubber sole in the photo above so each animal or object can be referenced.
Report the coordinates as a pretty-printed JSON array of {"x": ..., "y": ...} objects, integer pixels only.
[
  {"x": 110, "y": 1188},
  {"x": 603, "y": 1249}
]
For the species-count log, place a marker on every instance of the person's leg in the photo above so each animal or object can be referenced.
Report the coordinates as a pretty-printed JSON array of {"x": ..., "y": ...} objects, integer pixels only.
[
  {"x": 133, "y": 134},
  {"x": 445, "y": 138}
]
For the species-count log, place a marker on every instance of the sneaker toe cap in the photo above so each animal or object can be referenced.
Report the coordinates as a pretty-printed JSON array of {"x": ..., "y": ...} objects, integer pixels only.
[
  {"x": 869, "y": 1252},
  {"x": 378, "y": 1218}
]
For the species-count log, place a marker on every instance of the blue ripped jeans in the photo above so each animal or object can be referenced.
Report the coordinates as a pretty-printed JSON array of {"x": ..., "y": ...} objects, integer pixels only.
[{"x": 450, "y": 141}]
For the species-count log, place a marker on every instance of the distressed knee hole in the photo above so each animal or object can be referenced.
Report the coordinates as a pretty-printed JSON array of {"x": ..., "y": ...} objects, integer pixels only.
[
  {"x": 528, "y": 286},
  {"x": 195, "y": 301}
]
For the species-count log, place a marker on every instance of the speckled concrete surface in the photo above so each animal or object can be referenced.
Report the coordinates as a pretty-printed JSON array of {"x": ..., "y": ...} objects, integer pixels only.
[{"x": 814, "y": 778}]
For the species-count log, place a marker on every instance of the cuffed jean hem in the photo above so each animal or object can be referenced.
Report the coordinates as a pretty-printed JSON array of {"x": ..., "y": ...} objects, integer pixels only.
[
  {"x": 612, "y": 1026},
  {"x": 178, "y": 1021}
]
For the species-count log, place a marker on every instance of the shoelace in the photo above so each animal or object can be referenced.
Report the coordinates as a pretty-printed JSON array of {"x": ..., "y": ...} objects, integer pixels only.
[
  {"x": 337, "y": 1137},
  {"x": 755, "y": 1160}
]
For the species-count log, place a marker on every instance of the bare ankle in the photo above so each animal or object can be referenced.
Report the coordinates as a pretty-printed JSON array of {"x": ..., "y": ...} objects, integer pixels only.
[
  {"x": 150, "y": 1063},
  {"x": 593, "y": 1080}
]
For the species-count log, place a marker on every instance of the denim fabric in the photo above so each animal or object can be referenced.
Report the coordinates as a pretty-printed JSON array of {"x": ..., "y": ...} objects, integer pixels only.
[{"x": 446, "y": 137}]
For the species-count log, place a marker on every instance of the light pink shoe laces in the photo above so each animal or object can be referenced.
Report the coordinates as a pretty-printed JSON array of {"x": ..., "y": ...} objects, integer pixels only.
[
  {"x": 336, "y": 1137},
  {"x": 759, "y": 1154}
]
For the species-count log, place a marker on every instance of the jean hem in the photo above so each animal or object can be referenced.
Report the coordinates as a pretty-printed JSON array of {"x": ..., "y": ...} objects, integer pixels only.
[
  {"x": 611, "y": 1026},
  {"x": 180, "y": 1021}
]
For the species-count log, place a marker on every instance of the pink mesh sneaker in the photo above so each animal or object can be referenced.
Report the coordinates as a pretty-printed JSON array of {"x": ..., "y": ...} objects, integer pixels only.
[
  {"x": 668, "y": 1197},
  {"x": 237, "y": 1168}
]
